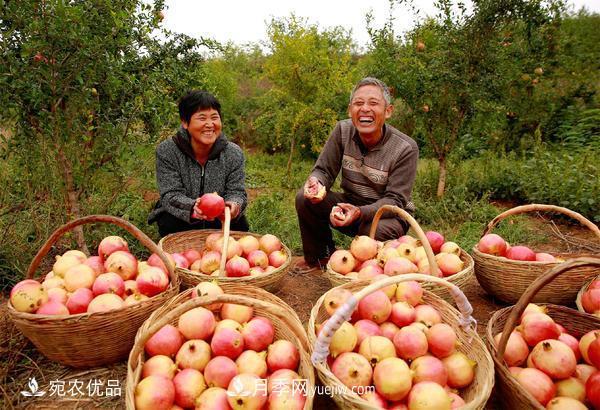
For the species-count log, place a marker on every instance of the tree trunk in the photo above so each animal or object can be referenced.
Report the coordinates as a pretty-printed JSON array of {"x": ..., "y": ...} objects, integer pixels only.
[
  {"x": 73, "y": 210},
  {"x": 289, "y": 164},
  {"x": 442, "y": 177}
]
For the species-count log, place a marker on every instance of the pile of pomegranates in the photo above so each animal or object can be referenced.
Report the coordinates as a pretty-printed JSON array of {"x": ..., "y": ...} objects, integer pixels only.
[
  {"x": 78, "y": 284},
  {"x": 494, "y": 244},
  {"x": 557, "y": 369},
  {"x": 368, "y": 258},
  {"x": 400, "y": 345},
  {"x": 221, "y": 356},
  {"x": 246, "y": 256},
  {"x": 590, "y": 299}
]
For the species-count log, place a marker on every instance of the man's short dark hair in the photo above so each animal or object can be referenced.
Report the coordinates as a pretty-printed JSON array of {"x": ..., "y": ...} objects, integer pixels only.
[{"x": 195, "y": 101}]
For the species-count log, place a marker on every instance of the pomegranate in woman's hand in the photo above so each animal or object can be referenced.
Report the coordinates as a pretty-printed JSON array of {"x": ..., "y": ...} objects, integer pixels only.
[{"x": 212, "y": 205}]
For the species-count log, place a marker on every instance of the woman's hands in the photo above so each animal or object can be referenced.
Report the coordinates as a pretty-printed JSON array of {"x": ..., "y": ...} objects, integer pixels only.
[{"x": 344, "y": 214}]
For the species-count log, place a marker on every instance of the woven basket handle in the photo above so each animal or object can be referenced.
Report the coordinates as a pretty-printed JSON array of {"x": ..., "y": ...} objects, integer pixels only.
[
  {"x": 343, "y": 313},
  {"x": 138, "y": 348},
  {"x": 128, "y": 226},
  {"x": 433, "y": 266},
  {"x": 226, "y": 225},
  {"x": 547, "y": 208},
  {"x": 532, "y": 290}
]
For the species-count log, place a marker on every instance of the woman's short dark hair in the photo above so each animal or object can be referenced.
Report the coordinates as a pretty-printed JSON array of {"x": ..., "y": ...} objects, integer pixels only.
[{"x": 195, "y": 101}]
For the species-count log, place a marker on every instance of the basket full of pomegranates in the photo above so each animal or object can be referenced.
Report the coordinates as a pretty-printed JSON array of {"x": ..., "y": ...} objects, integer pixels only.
[
  {"x": 429, "y": 253},
  {"x": 505, "y": 271},
  {"x": 221, "y": 346},
  {"x": 230, "y": 256},
  {"x": 86, "y": 311},
  {"x": 588, "y": 297},
  {"x": 546, "y": 356},
  {"x": 393, "y": 344}
]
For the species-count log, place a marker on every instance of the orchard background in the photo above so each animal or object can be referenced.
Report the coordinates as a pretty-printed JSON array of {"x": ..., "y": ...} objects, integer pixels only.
[{"x": 503, "y": 100}]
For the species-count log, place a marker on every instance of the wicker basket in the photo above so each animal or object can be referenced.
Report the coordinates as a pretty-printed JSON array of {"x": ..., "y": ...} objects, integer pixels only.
[
  {"x": 582, "y": 291},
  {"x": 507, "y": 279},
  {"x": 91, "y": 339},
  {"x": 505, "y": 320},
  {"x": 179, "y": 242},
  {"x": 285, "y": 321},
  {"x": 475, "y": 395},
  {"x": 460, "y": 279}
]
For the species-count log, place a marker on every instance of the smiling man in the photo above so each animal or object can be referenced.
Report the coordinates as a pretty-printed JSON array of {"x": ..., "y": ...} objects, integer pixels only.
[
  {"x": 378, "y": 165},
  {"x": 197, "y": 160}
]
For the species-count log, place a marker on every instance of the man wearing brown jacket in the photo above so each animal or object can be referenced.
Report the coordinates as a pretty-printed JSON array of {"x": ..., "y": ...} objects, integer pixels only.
[{"x": 378, "y": 165}]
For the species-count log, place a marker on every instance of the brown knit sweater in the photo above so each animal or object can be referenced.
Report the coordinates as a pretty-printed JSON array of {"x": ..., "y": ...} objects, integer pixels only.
[{"x": 382, "y": 175}]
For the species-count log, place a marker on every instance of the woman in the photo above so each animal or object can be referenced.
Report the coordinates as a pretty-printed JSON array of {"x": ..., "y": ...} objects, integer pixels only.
[{"x": 198, "y": 160}]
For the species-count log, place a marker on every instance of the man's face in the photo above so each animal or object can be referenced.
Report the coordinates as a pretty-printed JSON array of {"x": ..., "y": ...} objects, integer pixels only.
[
  {"x": 369, "y": 112},
  {"x": 204, "y": 127}
]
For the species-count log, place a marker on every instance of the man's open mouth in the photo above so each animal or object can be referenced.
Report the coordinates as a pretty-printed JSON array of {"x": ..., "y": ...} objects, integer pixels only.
[{"x": 365, "y": 120}]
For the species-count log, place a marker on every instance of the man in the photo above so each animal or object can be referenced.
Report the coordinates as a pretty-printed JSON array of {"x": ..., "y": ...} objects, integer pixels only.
[{"x": 378, "y": 165}]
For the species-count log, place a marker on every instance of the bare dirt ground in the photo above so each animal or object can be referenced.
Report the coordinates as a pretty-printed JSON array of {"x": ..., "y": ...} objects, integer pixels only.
[{"x": 20, "y": 361}]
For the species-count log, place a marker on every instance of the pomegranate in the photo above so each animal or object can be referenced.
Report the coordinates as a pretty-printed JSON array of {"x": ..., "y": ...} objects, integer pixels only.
[
  {"x": 427, "y": 315},
  {"x": 52, "y": 308},
  {"x": 538, "y": 384},
  {"x": 239, "y": 313},
  {"x": 122, "y": 263},
  {"x": 277, "y": 258},
  {"x": 245, "y": 391},
  {"x": 237, "y": 267},
  {"x": 258, "y": 333},
  {"x": 342, "y": 261},
  {"x": 369, "y": 272},
  {"x": 571, "y": 387},
  {"x": 282, "y": 354},
  {"x": 152, "y": 281},
  {"x": 544, "y": 257},
  {"x": 159, "y": 365},
  {"x": 389, "y": 330},
  {"x": 365, "y": 328},
  {"x": 554, "y": 358},
  {"x": 363, "y": 248},
  {"x": 410, "y": 292},
  {"x": 536, "y": 327},
  {"x": 258, "y": 258},
  {"x": 375, "y": 306},
  {"x": 449, "y": 263},
  {"x": 227, "y": 342},
  {"x": 402, "y": 314},
  {"x": 63, "y": 264},
  {"x": 96, "y": 263},
  {"x": 191, "y": 255},
  {"x": 457, "y": 402},
  {"x": 335, "y": 298},
  {"x": 57, "y": 295},
  {"x": 584, "y": 371},
  {"x": 209, "y": 262},
  {"x": 79, "y": 300},
  {"x": 441, "y": 339},
  {"x": 352, "y": 369},
  {"x": 154, "y": 393},
  {"x": 430, "y": 369},
  {"x": 584, "y": 344},
  {"x": 53, "y": 282},
  {"x": 213, "y": 398},
  {"x": 28, "y": 295},
  {"x": 130, "y": 287},
  {"x": 392, "y": 378},
  {"x": 377, "y": 348},
  {"x": 460, "y": 370},
  {"x": 590, "y": 300},
  {"x": 374, "y": 399},
  {"x": 592, "y": 389},
  {"x": 197, "y": 323},
  {"x": 249, "y": 244},
  {"x": 492, "y": 244},
  {"x": 407, "y": 251},
  {"x": 385, "y": 254},
  {"x": 572, "y": 342},
  {"x": 593, "y": 352},
  {"x": 281, "y": 379},
  {"x": 167, "y": 341},
  {"x": 428, "y": 395},
  {"x": 436, "y": 240},
  {"x": 134, "y": 298},
  {"x": 219, "y": 371},
  {"x": 211, "y": 241},
  {"x": 389, "y": 290},
  {"x": 208, "y": 289},
  {"x": 450, "y": 247},
  {"x": 212, "y": 205},
  {"x": 287, "y": 400},
  {"x": 104, "y": 303},
  {"x": 79, "y": 276},
  {"x": 399, "y": 266},
  {"x": 180, "y": 261},
  {"x": 193, "y": 354},
  {"x": 111, "y": 244},
  {"x": 269, "y": 243},
  {"x": 189, "y": 384},
  {"x": 516, "y": 349},
  {"x": 565, "y": 403},
  {"x": 109, "y": 282},
  {"x": 155, "y": 260},
  {"x": 520, "y": 253},
  {"x": 410, "y": 342},
  {"x": 409, "y": 240},
  {"x": 252, "y": 362}
]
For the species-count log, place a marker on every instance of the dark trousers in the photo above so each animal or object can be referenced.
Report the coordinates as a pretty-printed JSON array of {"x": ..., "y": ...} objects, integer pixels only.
[
  {"x": 168, "y": 223},
  {"x": 315, "y": 229}
]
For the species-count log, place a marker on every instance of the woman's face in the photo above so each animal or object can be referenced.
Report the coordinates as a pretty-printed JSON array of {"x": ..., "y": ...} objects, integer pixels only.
[{"x": 204, "y": 127}]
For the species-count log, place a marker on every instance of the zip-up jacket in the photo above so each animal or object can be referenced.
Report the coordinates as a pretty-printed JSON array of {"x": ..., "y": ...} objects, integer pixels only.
[
  {"x": 181, "y": 179},
  {"x": 381, "y": 175}
]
